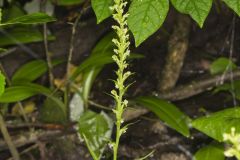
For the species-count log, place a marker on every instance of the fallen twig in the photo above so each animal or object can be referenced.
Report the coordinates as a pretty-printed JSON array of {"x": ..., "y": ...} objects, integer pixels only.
[
  {"x": 32, "y": 137},
  {"x": 198, "y": 86},
  {"x": 8, "y": 140},
  {"x": 185, "y": 91}
]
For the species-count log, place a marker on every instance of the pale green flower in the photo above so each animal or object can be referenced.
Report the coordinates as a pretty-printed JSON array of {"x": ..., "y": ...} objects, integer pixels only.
[{"x": 234, "y": 140}]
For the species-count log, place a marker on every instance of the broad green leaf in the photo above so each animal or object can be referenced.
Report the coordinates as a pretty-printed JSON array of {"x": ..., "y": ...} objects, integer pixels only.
[
  {"x": 67, "y": 2},
  {"x": 27, "y": 90},
  {"x": 96, "y": 130},
  {"x": 34, "y": 18},
  {"x": 216, "y": 124},
  {"x": 2, "y": 83},
  {"x": 12, "y": 12},
  {"x": 50, "y": 112},
  {"x": 210, "y": 152},
  {"x": 21, "y": 92},
  {"x": 233, "y": 88},
  {"x": 146, "y": 17},
  {"x": 32, "y": 70},
  {"x": 22, "y": 35},
  {"x": 197, "y": 9},
  {"x": 234, "y": 4},
  {"x": 168, "y": 113},
  {"x": 103, "y": 47},
  {"x": 221, "y": 65},
  {"x": 102, "y": 9}
]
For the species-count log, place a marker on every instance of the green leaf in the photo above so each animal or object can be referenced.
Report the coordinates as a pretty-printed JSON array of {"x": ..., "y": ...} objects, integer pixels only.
[
  {"x": 216, "y": 124},
  {"x": 102, "y": 9},
  {"x": 21, "y": 92},
  {"x": 168, "y": 113},
  {"x": 210, "y": 152},
  {"x": 67, "y": 2},
  {"x": 32, "y": 70},
  {"x": 18, "y": 35},
  {"x": 2, "y": 84},
  {"x": 222, "y": 65},
  {"x": 234, "y": 4},
  {"x": 99, "y": 55},
  {"x": 233, "y": 87},
  {"x": 146, "y": 17},
  {"x": 34, "y": 18},
  {"x": 96, "y": 130},
  {"x": 27, "y": 90},
  {"x": 50, "y": 112},
  {"x": 12, "y": 12},
  {"x": 197, "y": 9}
]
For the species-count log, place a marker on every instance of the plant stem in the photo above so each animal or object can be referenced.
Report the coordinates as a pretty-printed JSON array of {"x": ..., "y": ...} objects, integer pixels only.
[
  {"x": 48, "y": 54},
  {"x": 121, "y": 54},
  {"x": 8, "y": 139},
  {"x": 70, "y": 55}
]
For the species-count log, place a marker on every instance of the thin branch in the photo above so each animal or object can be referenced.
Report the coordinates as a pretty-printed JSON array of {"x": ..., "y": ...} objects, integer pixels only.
[
  {"x": 8, "y": 139},
  {"x": 7, "y": 52},
  {"x": 48, "y": 54},
  {"x": 21, "y": 45},
  {"x": 198, "y": 86},
  {"x": 32, "y": 137},
  {"x": 185, "y": 91},
  {"x": 70, "y": 54}
]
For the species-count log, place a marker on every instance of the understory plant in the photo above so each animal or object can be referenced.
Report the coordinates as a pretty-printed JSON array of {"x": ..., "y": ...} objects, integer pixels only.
[{"x": 121, "y": 53}]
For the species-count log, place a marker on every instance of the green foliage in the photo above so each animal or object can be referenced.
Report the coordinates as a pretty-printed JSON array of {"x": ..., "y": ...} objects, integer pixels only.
[
  {"x": 26, "y": 90},
  {"x": 234, "y": 4},
  {"x": 101, "y": 8},
  {"x": 32, "y": 71},
  {"x": 212, "y": 151},
  {"x": 22, "y": 35},
  {"x": 233, "y": 88},
  {"x": 216, "y": 124},
  {"x": 168, "y": 113},
  {"x": 50, "y": 112},
  {"x": 34, "y": 18},
  {"x": 100, "y": 55},
  {"x": 12, "y": 12},
  {"x": 2, "y": 84},
  {"x": 222, "y": 65},
  {"x": 197, "y": 9},
  {"x": 96, "y": 130},
  {"x": 18, "y": 33},
  {"x": 146, "y": 17}
]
